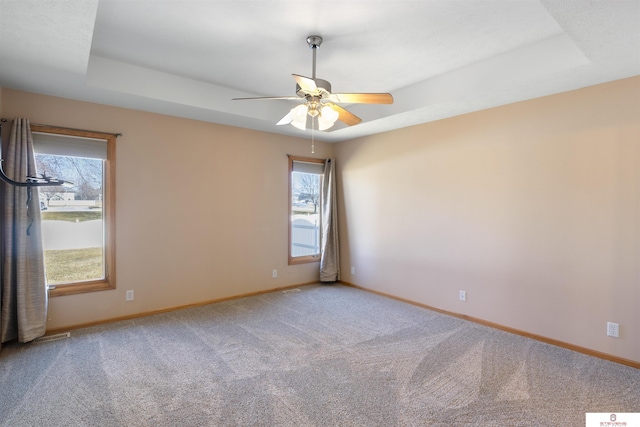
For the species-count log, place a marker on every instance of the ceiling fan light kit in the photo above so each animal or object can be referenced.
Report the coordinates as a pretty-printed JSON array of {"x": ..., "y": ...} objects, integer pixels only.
[{"x": 319, "y": 102}]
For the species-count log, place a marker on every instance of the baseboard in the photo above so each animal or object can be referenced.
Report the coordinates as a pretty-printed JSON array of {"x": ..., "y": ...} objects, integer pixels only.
[
  {"x": 541, "y": 338},
  {"x": 169, "y": 309}
]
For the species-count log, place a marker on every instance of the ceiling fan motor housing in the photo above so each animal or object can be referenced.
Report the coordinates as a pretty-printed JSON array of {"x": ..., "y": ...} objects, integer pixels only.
[{"x": 324, "y": 89}]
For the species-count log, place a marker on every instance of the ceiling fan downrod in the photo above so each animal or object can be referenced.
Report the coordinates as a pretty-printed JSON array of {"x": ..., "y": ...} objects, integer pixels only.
[{"x": 314, "y": 43}]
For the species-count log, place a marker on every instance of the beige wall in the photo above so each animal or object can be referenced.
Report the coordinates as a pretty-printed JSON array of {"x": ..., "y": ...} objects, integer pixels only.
[
  {"x": 532, "y": 208},
  {"x": 201, "y": 209}
]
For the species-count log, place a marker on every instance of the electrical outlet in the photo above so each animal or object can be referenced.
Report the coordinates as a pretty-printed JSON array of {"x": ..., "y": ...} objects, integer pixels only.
[
  {"x": 353, "y": 270},
  {"x": 274, "y": 273},
  {"x": 463, "y": 296},
  {"x": 129, "y": 296},
  {"x": 613, "y": 330}
]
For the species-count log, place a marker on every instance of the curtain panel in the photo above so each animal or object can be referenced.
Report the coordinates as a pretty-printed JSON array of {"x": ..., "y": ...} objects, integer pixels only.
[
  {"x": 329, "y": 251},
  {"x": 23, "y": 293}
]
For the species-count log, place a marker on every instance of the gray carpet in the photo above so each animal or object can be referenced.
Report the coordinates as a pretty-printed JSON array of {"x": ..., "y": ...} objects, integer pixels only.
[{"x": 323, "y": 356}]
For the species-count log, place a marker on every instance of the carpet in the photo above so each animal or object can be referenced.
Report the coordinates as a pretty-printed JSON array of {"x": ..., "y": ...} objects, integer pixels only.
[{"x": 320, "y": 356}]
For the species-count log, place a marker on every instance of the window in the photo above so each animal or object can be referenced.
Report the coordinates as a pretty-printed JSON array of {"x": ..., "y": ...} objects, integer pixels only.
[
  {"x": 77, "y": 222},
  {"x": 305, "y": 180}
]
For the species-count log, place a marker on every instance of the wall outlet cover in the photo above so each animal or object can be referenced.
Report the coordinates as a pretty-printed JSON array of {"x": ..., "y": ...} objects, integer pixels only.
[
  {"x": 613, "y": 330},
  {"x": 463, "y": 295}
]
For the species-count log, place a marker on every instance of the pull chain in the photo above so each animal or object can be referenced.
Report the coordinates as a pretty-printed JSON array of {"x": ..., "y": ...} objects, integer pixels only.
[{"x": 313, "y": 127}]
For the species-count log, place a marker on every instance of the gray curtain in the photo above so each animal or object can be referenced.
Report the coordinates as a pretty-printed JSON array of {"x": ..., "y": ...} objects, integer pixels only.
[
  {"x": 329, "y": 252},
  {"x": 23, "y": 293}
]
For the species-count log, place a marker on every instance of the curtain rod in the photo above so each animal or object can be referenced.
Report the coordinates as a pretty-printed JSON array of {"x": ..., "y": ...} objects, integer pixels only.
[
  {"x": 3, "y": 120},
  {"x": 313, "y": 158}
]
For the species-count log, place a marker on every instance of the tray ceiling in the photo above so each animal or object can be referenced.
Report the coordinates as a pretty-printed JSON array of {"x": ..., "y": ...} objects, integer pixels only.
[{"x": 438, "y": 58}]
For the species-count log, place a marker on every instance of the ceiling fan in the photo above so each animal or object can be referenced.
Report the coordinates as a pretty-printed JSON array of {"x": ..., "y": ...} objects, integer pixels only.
[{"x": 319, "y": 102}]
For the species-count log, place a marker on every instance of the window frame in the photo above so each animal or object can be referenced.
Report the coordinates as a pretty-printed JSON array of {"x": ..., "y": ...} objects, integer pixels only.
[
  {"x": 108, "y": 214},
  {"x": 305, "y": 258}
]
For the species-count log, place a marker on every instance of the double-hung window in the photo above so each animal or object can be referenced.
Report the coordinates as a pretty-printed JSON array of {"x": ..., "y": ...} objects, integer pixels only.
[
  {"x": 305, "y": 181},
  {"x": 78, "y": 223}
]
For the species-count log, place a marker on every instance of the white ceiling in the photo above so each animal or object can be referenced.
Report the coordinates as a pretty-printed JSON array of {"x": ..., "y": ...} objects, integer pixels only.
[{"x": 438, "y": 58}]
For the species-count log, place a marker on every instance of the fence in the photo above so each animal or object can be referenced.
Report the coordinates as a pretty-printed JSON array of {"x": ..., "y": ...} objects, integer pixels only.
[
  {"x": 305, "y": 237},
  {"x": 81, "y": 203}
]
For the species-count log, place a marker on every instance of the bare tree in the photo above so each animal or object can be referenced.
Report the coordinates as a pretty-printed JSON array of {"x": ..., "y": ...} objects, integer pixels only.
[
  {"x": 86, "y": 174},
  {"x": 307, "y": 187}
]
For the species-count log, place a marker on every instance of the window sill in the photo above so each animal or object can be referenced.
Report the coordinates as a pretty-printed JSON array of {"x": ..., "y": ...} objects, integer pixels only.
[
  {"x": 63, "y": 290},
  {"x": 304, "y": 259}
]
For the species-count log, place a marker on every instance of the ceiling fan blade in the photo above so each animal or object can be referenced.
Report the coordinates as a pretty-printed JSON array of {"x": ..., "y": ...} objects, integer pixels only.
[
  {"x": 345, "y": 116},
  {"x": 286, "y": 119},
  {"x": 307, "y": 84},
  {"x": 262, "y": 98},
  {"x": 362, "y": 98}
]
